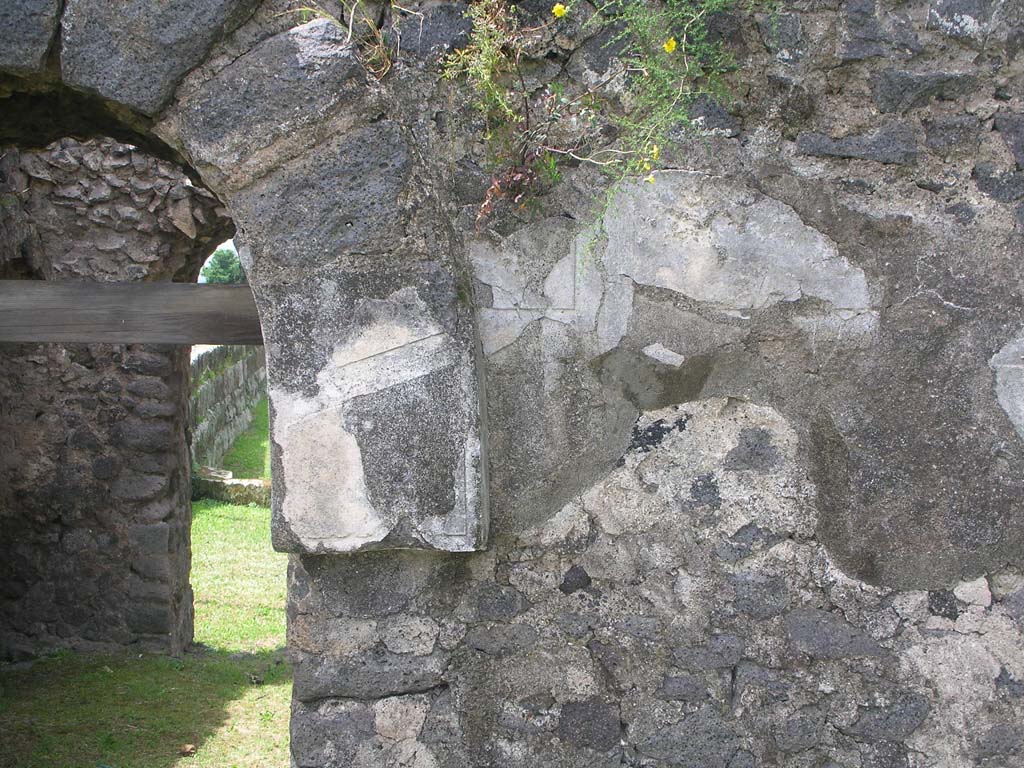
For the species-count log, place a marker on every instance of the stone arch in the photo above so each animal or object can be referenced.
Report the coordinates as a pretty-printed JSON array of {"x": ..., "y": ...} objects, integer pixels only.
[{"x": 338, "y": 216}]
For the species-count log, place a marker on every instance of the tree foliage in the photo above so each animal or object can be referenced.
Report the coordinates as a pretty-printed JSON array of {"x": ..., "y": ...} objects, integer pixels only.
[{"x": 223, "y": 267}]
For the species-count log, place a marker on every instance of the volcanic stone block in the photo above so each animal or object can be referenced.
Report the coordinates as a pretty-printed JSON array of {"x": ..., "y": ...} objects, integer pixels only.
[
  {"x": 136, "y": 52},
  {"x": 26, "y": 28}
]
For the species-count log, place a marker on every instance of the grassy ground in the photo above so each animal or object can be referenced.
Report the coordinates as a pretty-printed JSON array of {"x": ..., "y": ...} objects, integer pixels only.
[
  {"x": 229, "y": 696},
  {"x": 249, "y": 457}
]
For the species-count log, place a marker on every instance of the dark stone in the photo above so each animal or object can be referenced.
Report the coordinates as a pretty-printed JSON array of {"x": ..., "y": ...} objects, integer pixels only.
[
  {"x": 351, "y": 185},
  {"x": 1001, "y": 739},
  {"x": 826, "y": 635},
  {"x": 590, "y": 723},
  {"x": 597, "y": 53},
  {"x": 497, "y": 603},
  {"x": 106, "y": 467},
  {"x": 611, "y": 658},
  {"x": 151, "y": 539},
  {"x": 883, "y": 754},
  {"x": 84, "y": 438},
  {"x": 373, "y": 584},
  {"x": 802, "y": 730},
  {"x": 894, "y": 143},
  {"x": 898, "y": 91},
  {"x": 285, "y": 85},
  {"x": 1005, "y": 187},
  {"x": 783, "y": 36},
  {"x": 149, "y": 437},
  {"x": 891, "y": 723},
  {"x": 575, "y": 624},
  {"x": 709, "y": 116},
  {"x": 419, "y": 468},
  {"x": 721, "y": 651},
  {"x": 373, "y": 674},
  {"x": 132, "y": 486},
  {"x": 963, "y": 212},
  {"x": 147, "y": 363},
  {"x": 433, "y": 32},
  {"x": 699, "y": 739},
  {"x": 135, "y": 53},
  {"x": 650, "y": 437},
  {"x": 26, "y": 29},
  {"x": 1011, "y": 128},
  {"x": 744, "y": 759},
  {"x": 704, "y": 491},
  {"x": 149, "y": 387},
  {"x": 755, "y": 452},
  {"x": 646, "y": 628},
  {"x": 330, "y": 735},
  {"x": 863, "y": 36},
  {"x": 441, "y": 725},
  {"x": 746, "y": 541},
  {"x": 759, "y": 596},
  {"x": 1009, "y": 685},
  {"x": 151, "y": 618},
  {"x": 575, "y": 578},
  {"x": 962, "y": 19},
  {"x": 942, "y": 602},
  {"x": 501, "y": 639},
  {"x": 767, "y": 682},
  {"x": 153, "y": 567},
  {"x": 684, "y": 688}
]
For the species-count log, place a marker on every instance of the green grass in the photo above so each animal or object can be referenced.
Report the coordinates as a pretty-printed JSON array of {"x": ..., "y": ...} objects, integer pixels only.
[
  {"x": 249, "y": 457},
  {"x": 238, "y": 580},
  {"x": 229, "y": 696}
]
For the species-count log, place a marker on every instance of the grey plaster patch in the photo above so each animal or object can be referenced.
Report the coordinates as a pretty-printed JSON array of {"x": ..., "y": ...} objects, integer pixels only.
[
  {"x": 392, "y": 414},
  {"x": 724, "y": 245},
  {"x": 1008, "y": 364},
  {"x": 546, "y": 271}
]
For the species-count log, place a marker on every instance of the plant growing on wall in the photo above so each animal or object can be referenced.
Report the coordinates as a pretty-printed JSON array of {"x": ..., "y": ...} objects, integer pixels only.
[{"x": 667, "y": 61}]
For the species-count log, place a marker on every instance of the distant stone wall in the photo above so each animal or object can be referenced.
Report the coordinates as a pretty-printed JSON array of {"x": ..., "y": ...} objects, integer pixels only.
[
  {"x": 227, "y": 384},
  {"x": 94, "y": 473}
]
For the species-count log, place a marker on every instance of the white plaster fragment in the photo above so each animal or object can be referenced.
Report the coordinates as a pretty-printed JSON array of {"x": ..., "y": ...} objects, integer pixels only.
[
  {"x": 329, "y": 509},
  {"x": 410, "y": 634},
  {"x": 1008, "y": 364},
  {"x": 400, "y": 717},
  {"x": 722, "y": 244},
  {"x": 396, "y": 341},
  {"x": 663, "y": 354},
  {"x": 974, "y": 592}
]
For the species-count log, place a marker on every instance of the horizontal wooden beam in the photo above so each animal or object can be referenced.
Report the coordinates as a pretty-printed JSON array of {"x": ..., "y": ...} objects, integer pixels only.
[{"x": 127, "y": 313}]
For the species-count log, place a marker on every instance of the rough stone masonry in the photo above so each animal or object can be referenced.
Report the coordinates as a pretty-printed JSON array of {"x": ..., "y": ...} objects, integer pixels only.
[
  {"x": 94, "y": 485},
  {"x": 753, "y": 431}
]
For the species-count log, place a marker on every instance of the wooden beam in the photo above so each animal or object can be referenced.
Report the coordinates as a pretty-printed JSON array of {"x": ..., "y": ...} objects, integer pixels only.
[{"x": 127, "y": 313}]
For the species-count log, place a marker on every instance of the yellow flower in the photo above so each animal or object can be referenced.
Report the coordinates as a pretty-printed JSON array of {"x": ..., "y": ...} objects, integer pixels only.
[
  {"x": 670, "y": 45},
  {"x": 650, "y": 179},
  {"x": 558, "y": 10},
  {"x": 647, "y": 166},
  {"x": 655, "y": 152}
]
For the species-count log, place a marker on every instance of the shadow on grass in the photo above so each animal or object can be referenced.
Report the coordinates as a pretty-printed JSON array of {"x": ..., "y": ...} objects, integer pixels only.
[{"x": 90, "y": 711}]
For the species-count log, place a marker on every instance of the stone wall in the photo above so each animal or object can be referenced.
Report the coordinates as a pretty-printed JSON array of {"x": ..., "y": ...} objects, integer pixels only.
[
  {"x": 94, "y": 470},
  {"x": 753, "y": 429},
  {"x": 227, "y": 384},
  {"x": 753, "y": 433}
]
